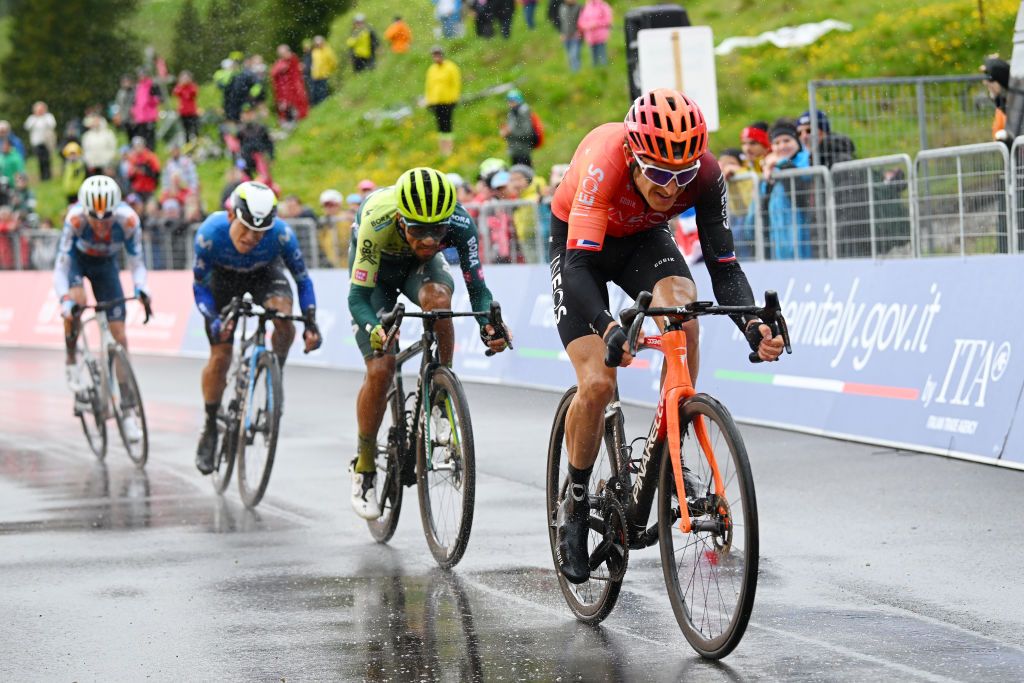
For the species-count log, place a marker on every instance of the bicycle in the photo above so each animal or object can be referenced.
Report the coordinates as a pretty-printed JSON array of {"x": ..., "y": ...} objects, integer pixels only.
[
  {"x": 712, "y": 576},
  {"x": 436, "y": 413},
  {"x": 249, "y": 423},
  {"x": 111, "y": 389}
]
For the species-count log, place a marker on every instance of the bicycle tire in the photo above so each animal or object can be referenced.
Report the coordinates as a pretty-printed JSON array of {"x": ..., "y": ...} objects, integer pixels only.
[
  {"x": 225, "y": 462},
  {"x": 714, "y": 566},
  {"x": 447, "y": 541},
  {"x": 268, "y": 369},
  {"x": 121, "y": 368},
  {"x": 594, "y": 599},
  {"x": 388, "y": 458},
  {"x": 94, "y": 421}
]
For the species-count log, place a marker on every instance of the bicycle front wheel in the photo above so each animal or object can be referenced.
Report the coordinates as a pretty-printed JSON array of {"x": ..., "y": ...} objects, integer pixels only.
[
  {"x": 446, "y": 469},
  {"x": 257, "y": 435},
  {"x": 711, "y": 573},
  {"x": 127, "y": 404},
  {"x": 592, "y": 600},
  {"x": 390, "y": 453},
  {"x": 91, "y": 411}
]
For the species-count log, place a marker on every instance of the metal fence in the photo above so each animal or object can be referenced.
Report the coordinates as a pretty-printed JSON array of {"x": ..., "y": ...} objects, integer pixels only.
[
  {"x": 903, "y": 114},
  {"x": 874, "y": 207},
  {"x": 801, "y": 217}
]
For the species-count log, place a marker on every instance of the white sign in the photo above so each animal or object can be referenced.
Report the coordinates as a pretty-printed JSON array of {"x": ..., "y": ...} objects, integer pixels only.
[{"x": 681, "y": 58}]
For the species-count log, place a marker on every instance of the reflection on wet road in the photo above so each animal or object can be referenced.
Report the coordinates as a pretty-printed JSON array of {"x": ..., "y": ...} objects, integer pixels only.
[{"x": 111, "y": 573}]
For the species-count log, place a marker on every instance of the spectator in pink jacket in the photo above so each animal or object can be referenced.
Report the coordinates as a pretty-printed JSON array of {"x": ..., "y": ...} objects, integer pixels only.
[
  {"x": 595, "y": 24},
  {"x": 146, "y": 108}
]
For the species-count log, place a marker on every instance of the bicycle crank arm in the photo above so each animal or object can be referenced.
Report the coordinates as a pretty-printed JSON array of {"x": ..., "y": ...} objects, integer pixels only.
[{"x": 597, "y": 524}]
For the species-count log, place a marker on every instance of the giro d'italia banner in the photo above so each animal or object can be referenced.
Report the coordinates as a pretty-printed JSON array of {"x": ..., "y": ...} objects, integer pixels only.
[{"x": 912, "y": 353}]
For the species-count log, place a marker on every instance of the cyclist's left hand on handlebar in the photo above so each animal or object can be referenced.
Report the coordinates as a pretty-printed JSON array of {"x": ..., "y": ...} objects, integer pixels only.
[
  {"x": 768, "y": 348},
  {"x": 616, "y": 347},
  {"x": 146, "y": 300},
  {"x": 312, "y": 338},
  {"x": 489, "y": 336}
]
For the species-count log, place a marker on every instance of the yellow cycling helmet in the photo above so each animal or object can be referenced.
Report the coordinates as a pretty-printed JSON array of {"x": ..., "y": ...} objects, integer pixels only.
[{"x": 425, "y": 195}]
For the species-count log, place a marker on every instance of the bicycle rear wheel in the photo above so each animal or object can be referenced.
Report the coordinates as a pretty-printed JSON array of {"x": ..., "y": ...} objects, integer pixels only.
[
  {"x": 446, "y": 469},
  {"x": 710, "y": 573},
  {"x": 127, "y": 404},
  {"x": 394, "y": 431},
  {"x": 592, "y": 600},
  {"x": 257, "y": 436},
  {"x": 91, "y": 411},
  {"x": 225, "y": 462}
]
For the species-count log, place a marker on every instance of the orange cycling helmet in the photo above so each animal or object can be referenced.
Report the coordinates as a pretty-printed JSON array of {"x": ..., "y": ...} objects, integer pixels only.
[{"x": 668, "y": 127}]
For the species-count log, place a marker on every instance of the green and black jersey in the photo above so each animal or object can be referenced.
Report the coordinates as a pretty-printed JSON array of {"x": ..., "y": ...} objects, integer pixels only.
[{"x": 378, "y": 245}]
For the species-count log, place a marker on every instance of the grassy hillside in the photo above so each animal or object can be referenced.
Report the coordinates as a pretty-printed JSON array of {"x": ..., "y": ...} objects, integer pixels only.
[{"x": 336, "y": 147}]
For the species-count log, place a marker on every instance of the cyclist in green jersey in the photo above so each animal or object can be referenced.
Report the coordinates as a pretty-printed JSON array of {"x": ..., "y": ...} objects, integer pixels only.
[{"x": 396, "y": 249}]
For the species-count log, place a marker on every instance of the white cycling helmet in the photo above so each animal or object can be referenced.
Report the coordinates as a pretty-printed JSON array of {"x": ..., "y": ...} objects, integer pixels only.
[
  {"x": 255, "y": 205},
  {"x": 99, "y": 195}
]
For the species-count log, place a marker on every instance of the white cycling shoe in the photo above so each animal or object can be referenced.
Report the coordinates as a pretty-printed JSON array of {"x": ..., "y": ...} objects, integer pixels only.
[
  {"x": 131, "y": 428},
  {"x": 364, "y": 493},
  {"x": 73, "y": 376}
]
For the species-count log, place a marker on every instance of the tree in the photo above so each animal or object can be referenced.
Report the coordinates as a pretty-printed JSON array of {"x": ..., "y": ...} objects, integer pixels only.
[
  {"x": 189, "y": 49},
  {"x": 294, "y": 21},
  {"x": 70, "y": 59}
]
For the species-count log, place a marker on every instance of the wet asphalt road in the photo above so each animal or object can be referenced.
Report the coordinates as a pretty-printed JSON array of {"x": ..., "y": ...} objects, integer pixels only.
[{"x": 875, "y": 564}]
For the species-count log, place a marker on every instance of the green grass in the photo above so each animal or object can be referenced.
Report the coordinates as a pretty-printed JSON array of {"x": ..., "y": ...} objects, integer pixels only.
[{"x": 335, "y": 147}]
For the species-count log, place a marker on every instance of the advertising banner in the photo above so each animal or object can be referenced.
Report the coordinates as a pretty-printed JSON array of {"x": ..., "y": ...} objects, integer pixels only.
[{"x": 910, "y": 353}]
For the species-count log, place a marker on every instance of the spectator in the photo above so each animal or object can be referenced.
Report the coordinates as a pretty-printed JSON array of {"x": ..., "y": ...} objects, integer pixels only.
[
  {"x": 289, "y": 87},
  {"x": 74, "y": 171},
  {"x": 504, "y": 12},
  {"x": 464, "y": 193},
  {"x": 568, "y": 18},
  {"x": 99, "y": 146},
  {"x": 292, "y": 207},
  {"x": 14, "y": 248},
  {"x": 528, "y": 186},
  {"x": 6, "y": 191},
  {"x": 7, "y": 134},
  {"x": 595, "y": 23},
  {"x": 366, "y": 187},
  {"x": 42, "y": 135},
  {"x": 186, "y": 92},
  {"x": 443, "y": 90},
  {"x": 143, "y": 169},
  {"x": 399, "y": 35},
  {"x": 483, "y": 18},
  {"x": 788, "y": 231},
  {"x": 997, "y": 81},
  {"x": 324, "y": 63},
  {"x": 831, "y": 148},
  {"x": 307, "y": 67},
  {"x": 504, "y": 243},
  {"x": 518, "y": 129},
  {"x": 256, "y": 146},
  {"x": 11, "y": 163},
  {"x": 334, "y": 231},
  {"x": 555, "y": 14},
  {"x": 181, "y": 165},
  {"x": 362, "y": 44},
  {"x": 449, "y": 13},
  {"x": 756, "y": 145},
  {"x": 233, "y": 177},
  {"x": 530, "y": 13},
  {"x": 235, "y": 83},
  {"x": 23, "y": 201},
  {"x": 741, "y": 193},
  {"x": 121, "y": 109},
  {"x": 146, "y": 108}
]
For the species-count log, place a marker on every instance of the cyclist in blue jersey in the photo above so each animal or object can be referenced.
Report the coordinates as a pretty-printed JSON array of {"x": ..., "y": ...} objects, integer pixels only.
[
  {"x": 95, "y": 230},
  {"x": 244, "y": 250}
]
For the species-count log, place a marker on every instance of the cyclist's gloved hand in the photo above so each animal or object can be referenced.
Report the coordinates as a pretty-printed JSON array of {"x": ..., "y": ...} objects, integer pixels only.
[
  {"x": 615, "y": 353},
  {"x": 377, "y": 337},
  {"x": 311, "y": 335},
  {"x": 759, "y": 336},
  {"x": 492, "y": 340},
  {"x": 67, "y": 307},
  {"x": 146, "y": 301}
]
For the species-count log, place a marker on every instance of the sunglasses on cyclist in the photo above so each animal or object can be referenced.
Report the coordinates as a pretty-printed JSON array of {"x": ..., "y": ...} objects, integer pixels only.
[
  {"x": 100, "y": 216},
  {"x": 662, "y": 176},
  {"x": 422, "y": 231}
]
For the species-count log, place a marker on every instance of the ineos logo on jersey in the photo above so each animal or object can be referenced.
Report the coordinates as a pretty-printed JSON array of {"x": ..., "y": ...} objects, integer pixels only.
[
  {"x": 590, "y": 184},
  {"x": 366, "y": 253},
  {"x": 557, "y": 295}
]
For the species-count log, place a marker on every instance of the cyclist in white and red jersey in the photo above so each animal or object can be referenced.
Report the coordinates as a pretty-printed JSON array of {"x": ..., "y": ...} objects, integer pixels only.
[{"x": 610, "y": 224}]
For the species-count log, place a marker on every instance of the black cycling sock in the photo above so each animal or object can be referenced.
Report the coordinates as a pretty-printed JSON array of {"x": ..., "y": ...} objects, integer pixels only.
[
  {"x": 579, "y": 478},
  {"x": 211, "y": 413}
]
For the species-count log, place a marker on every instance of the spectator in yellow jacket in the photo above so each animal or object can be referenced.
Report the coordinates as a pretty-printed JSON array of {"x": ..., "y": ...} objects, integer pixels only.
[
  {"x": 362, "y": 44},
  {"x": 324, "y": 63},
  {"x": 399, "y": 35},
  {"x": 444, "y": 88}
]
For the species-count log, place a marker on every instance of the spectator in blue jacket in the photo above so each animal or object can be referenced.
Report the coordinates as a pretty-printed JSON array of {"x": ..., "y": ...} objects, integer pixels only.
[
  {"x": 788, "y": 233},
  {"x": 7, "y": 134}
]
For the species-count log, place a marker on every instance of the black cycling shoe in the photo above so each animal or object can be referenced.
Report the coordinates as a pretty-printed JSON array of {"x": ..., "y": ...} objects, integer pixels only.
[
  {"x": 207, "y": 450},
  {"x": 573, "y": 527}
]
